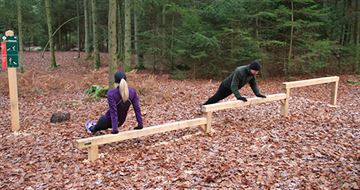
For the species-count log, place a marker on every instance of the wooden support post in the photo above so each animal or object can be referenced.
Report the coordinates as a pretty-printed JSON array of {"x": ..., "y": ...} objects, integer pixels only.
[
  {"x": 285, "y": 103},
  {"x": 203, "y": 128},
  {"x": 334, "y": 91},
  {"x": 15, "y": 118},
  {"x": 208, "y": 117},
  {"x": 93, "y": 152},
  {"x": 310, "y": 82}
]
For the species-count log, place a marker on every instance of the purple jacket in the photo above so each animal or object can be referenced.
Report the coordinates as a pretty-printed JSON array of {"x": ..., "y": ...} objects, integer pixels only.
[{"x": 118, "y": 110}]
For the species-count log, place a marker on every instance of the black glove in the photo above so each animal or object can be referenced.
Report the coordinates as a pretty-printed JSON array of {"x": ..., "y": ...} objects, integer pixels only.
[
  {"x": 138, "y": 127},
  {"x": 242, "y": 98},
  {"x": 114, "y": 132},
  {"x": 260, "y": 95}
]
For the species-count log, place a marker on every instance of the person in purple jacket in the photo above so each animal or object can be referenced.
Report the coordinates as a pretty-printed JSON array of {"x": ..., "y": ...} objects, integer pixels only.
[{"x": 119, "y": 99}]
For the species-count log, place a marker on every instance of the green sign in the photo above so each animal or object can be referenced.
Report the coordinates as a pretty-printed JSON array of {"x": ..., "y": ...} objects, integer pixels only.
[
  {"x": 11, "y": 51},
  {"x": 11, "y": 48},
  {"x": 12, "y": 61}
]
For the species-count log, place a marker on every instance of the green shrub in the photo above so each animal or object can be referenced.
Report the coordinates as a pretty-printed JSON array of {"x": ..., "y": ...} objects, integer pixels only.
[{"x": 97, "y": 91}]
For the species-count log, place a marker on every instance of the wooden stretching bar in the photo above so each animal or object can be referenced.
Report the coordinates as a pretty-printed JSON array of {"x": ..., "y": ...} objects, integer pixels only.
[
  {"x": 109, "y": 138},
  {"x": 309, "y": 82},
  {"x": 92, "y": 143},
  {"x": 239, "y": 103},
  {"x": 334, "y": 91},
  {"x": 209, "y": 109},
  {"x": 301, "y": 83}
]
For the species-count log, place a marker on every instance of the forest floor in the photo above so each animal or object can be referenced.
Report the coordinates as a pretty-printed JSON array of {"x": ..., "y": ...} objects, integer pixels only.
[{"x": 315, "y": 147}]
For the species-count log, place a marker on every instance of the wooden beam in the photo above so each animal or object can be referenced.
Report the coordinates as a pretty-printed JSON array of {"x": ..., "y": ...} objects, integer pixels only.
[
  {"x": 104, "y": 139},
  {"x": 285, "y": 104},
  {"x": 93, "y": 153},
  {"x": 334, "y": 91},
  {"x": 208, "y": 116},
  {"x": 302, "y": 83},
  {"x": 13, "y": 90},
  {"x": 239, "y": 103}
]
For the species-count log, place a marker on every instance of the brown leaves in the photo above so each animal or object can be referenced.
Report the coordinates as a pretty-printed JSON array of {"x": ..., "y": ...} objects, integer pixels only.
[{"x": 252, "y": 148}]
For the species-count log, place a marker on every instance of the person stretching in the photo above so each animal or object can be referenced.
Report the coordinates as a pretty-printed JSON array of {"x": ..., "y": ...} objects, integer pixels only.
[
  {"x": 119, "y": 100},
  {"x": 235, "y": 81}
]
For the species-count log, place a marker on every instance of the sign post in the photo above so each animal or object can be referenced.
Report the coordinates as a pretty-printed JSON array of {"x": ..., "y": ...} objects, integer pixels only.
[{"x": 9, "y": 51}]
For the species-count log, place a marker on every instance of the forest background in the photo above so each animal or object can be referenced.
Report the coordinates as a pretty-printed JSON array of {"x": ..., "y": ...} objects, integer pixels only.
[{"x": 194, "y": 38}]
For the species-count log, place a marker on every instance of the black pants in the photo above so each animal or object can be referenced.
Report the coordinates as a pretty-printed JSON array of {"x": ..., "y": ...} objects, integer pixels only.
[
  {"x": 221, "y": 93},
  {"x": 102, "y": 124}
]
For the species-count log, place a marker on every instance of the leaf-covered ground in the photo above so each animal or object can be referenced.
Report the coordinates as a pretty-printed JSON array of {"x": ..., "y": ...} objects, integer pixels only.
[{"x": 316, "y": 147}]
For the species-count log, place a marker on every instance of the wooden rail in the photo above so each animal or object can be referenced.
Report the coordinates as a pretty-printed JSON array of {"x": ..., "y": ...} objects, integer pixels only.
[
  {"x": 239, "y": 103},
  {"x": 209, "y": 109},
  {"x": 92, "y": 143},
  {"x": 301, "y": 83}
]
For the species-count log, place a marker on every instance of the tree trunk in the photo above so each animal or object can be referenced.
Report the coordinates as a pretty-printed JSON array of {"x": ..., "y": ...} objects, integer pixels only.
[
  {"x": 67, "y": 38},
  {"x": 127, "y": 41},
  {"x": 194, "y": 70},
  {"x": 87, "y": 30},
  {"x": 78, "y": 27},
  {"x": 357, "y": 34},
  {"x": 68, "y": 41},
  {"x": 112, "y": 40},
  {"x": 264, "y": 71},
  {"x": 343, "y": 27},
  {"x": 155, "y": 45},
  {"x": 65, "y": 46},
  {"x": 154, "y": 61},
  {"x": 49, "y": 24},
  {"x": 120, "y": 29},
  {"x": 349, "y": 18},
  {"x": 163, "y": 32},
  {"x": 61, "y": 42},
  {"x": 172, "y": 43},
  {"x": 20, "y": 36},
  {"x": 356, "y": 18},
  {"x": 136, "y": 39},
  {"x": 232, "y": 43},
  {"x": 257, "y": 28},
  {"x": 58, "y": 44},
  {"x": 287, "y": 67},
  {"x": 95, "y": 34}
]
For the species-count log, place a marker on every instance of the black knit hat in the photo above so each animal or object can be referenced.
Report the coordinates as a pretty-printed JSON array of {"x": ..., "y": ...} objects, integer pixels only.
[
  {"x": 118, "y": 76},
  {"x": 255, "y": 65}
]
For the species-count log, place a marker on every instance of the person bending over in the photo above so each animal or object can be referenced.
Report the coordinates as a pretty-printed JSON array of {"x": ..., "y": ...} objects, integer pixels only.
[
  {"x": 119, "y": 100},
  {"x": 235, "y": 81}
]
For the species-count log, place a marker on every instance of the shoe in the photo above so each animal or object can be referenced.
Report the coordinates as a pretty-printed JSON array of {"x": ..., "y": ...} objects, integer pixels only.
[
  {"x": 138, "y": 127},
  {"x": 88, "y": 125}
]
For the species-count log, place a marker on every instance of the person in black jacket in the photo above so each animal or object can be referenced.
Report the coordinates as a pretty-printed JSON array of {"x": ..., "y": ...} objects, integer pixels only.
[{"x": 235, "y": 81}]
